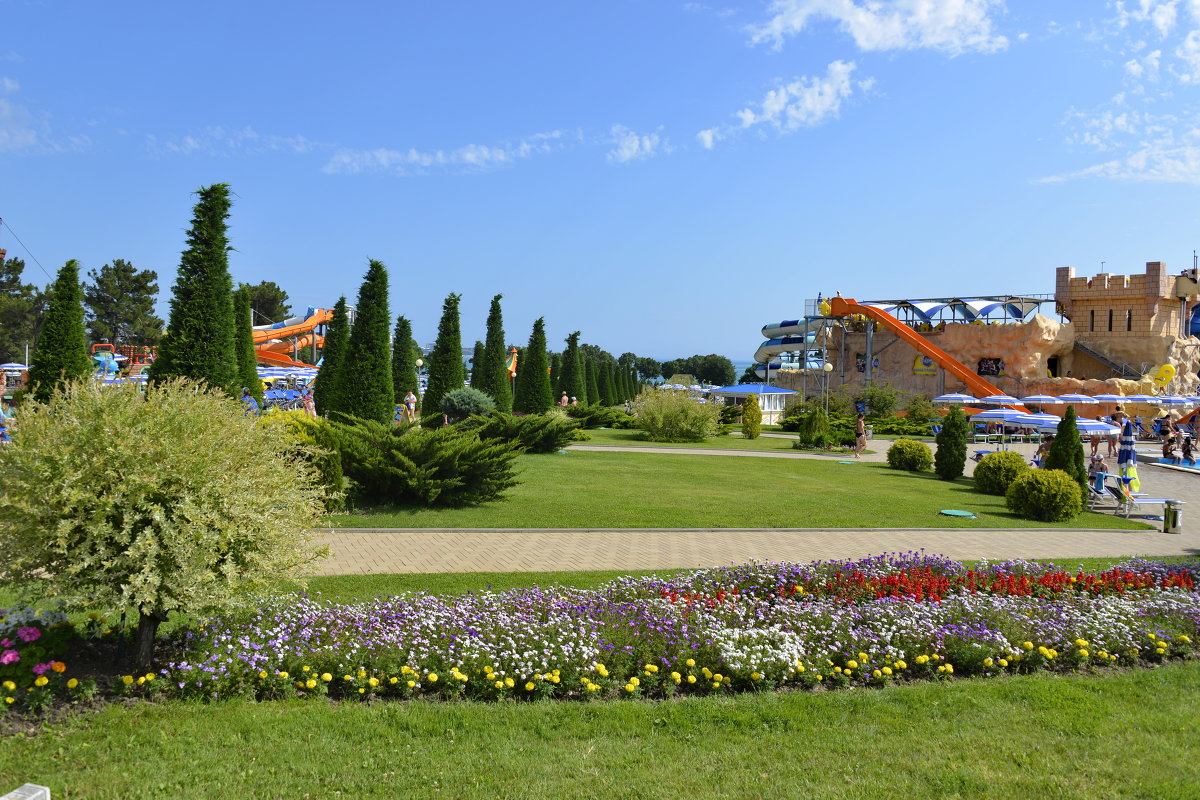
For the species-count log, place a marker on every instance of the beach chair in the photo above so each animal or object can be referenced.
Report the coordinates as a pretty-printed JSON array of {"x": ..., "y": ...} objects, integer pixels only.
[
  {"x": 1098, "y": 491},
  {"x": 1126, "y": 504}
]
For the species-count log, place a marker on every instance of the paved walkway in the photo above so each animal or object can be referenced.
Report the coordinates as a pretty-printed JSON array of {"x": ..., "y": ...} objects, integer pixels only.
[{"x": 364, "y": 551}]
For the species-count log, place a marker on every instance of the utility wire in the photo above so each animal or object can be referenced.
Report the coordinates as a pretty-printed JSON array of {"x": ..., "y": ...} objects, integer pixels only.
[{"x": 31, "y": 255}]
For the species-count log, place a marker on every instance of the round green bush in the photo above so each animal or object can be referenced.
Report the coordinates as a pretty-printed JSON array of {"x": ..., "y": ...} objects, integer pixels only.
[
  {"x": 462, "y": 403},
  {"x": 997, "y": 471},
  {"x": 909, "y": 455},
  {"x": 1048, "y": 495}
]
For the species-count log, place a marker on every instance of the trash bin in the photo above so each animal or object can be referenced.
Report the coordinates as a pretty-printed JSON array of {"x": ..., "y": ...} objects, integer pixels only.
[
  {"x": 870, "y": 431},
  {"x": 1172, "y": 517}
]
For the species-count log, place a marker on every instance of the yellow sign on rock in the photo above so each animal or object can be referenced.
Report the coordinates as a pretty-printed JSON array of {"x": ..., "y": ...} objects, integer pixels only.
[{"x": 924, "y": 365}]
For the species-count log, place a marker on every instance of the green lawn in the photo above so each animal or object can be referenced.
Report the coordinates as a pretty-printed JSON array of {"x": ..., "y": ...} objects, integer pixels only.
[
  {"x": 609, "y": 436},
  {"x": 1117, "y": 735},
  {"x": 662, "y": 490}
]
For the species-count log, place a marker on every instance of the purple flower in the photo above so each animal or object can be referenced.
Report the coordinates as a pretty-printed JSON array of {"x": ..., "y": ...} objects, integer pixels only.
[{"x": 29, "y": 633}]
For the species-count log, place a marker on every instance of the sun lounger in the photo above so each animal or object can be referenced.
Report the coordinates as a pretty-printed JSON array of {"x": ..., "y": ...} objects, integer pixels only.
[{"x": 1128, "y": 504}]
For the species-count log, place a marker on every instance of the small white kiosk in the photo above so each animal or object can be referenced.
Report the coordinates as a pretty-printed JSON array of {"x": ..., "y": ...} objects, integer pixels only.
[{"x": 771, "y": 399}]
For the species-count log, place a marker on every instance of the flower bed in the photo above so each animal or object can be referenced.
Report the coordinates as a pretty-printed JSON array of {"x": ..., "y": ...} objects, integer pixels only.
[{"x": 897, "y": 617}]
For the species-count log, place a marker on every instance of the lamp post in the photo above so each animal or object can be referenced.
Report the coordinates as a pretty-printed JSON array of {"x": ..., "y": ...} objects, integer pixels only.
[
  {"x": 420, "y": 370},
  {"x": 828, "y": 368}
]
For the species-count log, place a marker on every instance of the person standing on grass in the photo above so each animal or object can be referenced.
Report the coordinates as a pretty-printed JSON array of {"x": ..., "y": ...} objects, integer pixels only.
[
  {"x": 860, "y": 435},
  {"x": 410, "y": 406},
  {"x": 306, "y": 398}
]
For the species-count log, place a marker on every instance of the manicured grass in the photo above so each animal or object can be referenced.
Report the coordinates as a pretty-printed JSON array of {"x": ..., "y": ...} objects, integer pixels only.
[
  {"x": 662, "y": 490},
  {"x": 609, "y": 436},
  {"x": 1116, "y": 735}
]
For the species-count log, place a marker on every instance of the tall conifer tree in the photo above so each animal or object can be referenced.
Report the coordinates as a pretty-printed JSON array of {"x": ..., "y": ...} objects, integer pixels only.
[
  {"x": 404, "y": 360},
  {"x": 533, "y": 379},
  {"x": 556, "y": 375},
  {"x": 333, "y": 354},
  {"x": 199, "y": 342},
  {"x": 61, "y": 352},
  {"x": 365, "y": 384},
  {"x": 247, "y": 364},
  {"x": 492, "y": 376},
  {"x": 446, "y": 371},
  {"x": 593, "y": 387},
  {"x": 604, "y": 381},
  {"x": 573, "y": 382}
]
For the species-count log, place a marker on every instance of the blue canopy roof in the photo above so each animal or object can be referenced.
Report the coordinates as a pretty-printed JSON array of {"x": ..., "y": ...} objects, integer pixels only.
[{"x": 751, "y": 388}]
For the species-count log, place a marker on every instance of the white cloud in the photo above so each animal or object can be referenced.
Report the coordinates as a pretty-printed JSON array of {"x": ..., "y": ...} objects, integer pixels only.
[
  {"x": 1162, "y": 14},
  {"x": 18, "y": 128},
  {"x": 632, "y": 146},
  {"x": 9, "y": 86},
  {"x": 950, "y": 26},
  {"x": 802, "y": 103},
  {"x": 1189, "y": 53},
  {"x": 347, "y": 161},
  {"x": 220, "y": 141},
  {"x": 1146, "y": 68}
]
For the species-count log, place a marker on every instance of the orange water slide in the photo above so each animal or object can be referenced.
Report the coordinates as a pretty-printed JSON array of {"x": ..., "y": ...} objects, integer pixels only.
[
  {"x": 272, "y": 359},
  {"x": 285, "y": 346},
  {"x": 319, "y": 316},
  {"x": 845, "y": 307}
]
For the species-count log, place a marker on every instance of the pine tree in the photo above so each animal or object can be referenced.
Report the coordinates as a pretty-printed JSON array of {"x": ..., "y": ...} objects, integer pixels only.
[
  {"x": 365, "y": 384},
  {"x": 120, "y": 304},
  {"x": 604, "y": 385},
  {"x": 199, "y": 339},
  {"x": 556, "y": 375},
  {"x": 950, "y": 460},
  {"x": 493, "y": 377},
  {"x": 445, "y": 361},
  {"x": 404, "y": 360},
  {"x": 593, "y": 387},
  {"x": 333, "y": 354},
  {"x": 247, "y": 363},
  {"x": 478, "y": 355},
  {"x": 573, "y": 381},
  {"x": 533, "y": 381},
  {"x": 1066, "y": 451},
  {"x": 61, "y": 352}
]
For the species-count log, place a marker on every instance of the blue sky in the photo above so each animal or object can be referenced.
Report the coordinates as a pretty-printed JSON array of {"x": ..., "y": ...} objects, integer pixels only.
[{"x": 664, "y": 176}]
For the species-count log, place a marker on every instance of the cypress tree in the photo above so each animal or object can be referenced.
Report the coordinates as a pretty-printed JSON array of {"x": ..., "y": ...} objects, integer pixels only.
[
  {"x": 593, "y": 388},
  {"x": 533, "y": 381},
  {"x": 61, "y": 352},
  {"x": 247, "y": 363},
  {"x": 604, "y": 384},
  {"x": 751, "y": 417},
  {"x": 1066, "y": 451},
  {"x": 365, "y": 383},
  {"x": 199, "y": 342},
  {"x": 493, "y": 377},
  {"x": 404, "y": 360},
  {"x": 445, "y": 360},
  {"x": 950, "y": 460},
  {"x": 573, "y": 382},
  {"x": 479, "y": 354},
  {"x": 333, "y": 354},
  {"x": 519, "y": 377},
  {"x": 556, "y": 375}
]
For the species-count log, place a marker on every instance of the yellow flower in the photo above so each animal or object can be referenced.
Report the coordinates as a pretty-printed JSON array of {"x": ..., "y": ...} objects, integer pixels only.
[
  {"x": 950, "y": 668},
  {"x": 706, "y": 672},
  {"x": 362, "y": 690},
  {"x": 283, "y": 675},
  {"x": 875, "y": 673},
  {"x": 1160, "y": 651},
  {"x": 127, "y": 679},
  {"x": 716, "y": 684},
  {"x": 1081, "y": 643},
  {"x": 922, "y": 659},
  {"x": 411, "y": 684},
  {"x": 499, "y": 684},
  {"x": 304, "y": 669},
  {"x": 141, "y": 681},
  {"x": 9, "y": 685},
  {"x": 592, "y": 687},
  {"x": 675, "y": 676},
  {"x": 852, "y": 664},
  {"x": 362, "y": 673},
  {"x": 691, "y": 662},
  {"x": 347, "y": 677},
  {"x": 820, "y": 677},
  {"x": 262, "y": 673},
  {"x": 887, "y": 670},
  {"x": 901, "y": 665},
  {"x": 10, "y": 699},
  {"x": 71, "y": 684},
  {"x": 1003, "y": 662},
  {"x": 941, "y": 668},
  {"x": 41, "y": 680},
  {"x": 987, "y": 662},
  {"x": 1183, "y": 637},
  {"x": 509, "y": 682},
  {"x": 373, "y": 682},
  {"x": 838, "y": 670},
  {"x": 862, "y": 656},
  {"x": 691, "y": 679},
  {"x": 1083, "y": 653},
  {"x": 150, "y": 676},
  {"x": 754, "y": 676},
  {"x": 635, "y": 681},
  {"x": 529, "y": 687},
  {"x": 325, "y": 676},
  {"x": 1027, "y": 645},
  {"x": 629, "y": 687},
  {"x": 651, "y": 668},
  {"x": 717, "y": 677},
  {"x": 393, "y": 680},
  {"x": 800, "y": 668}
]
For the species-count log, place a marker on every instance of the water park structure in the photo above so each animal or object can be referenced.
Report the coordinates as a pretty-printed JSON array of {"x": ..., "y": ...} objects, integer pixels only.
[
  {"x": 1109, "y": 334},
  {"x": 279, "y": 344}
]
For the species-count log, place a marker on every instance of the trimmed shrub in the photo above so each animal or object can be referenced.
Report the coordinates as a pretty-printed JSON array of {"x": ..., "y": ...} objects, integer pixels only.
[
  {"x": 996, "y": 472},
  {"x": 600, "y": 417},
  {"x": 950, "y": 461},
  {"x": 909, "y": 455},
  {"x": 535, "y": 433},
  {"x": 751, "y": 417},
  {"x": 318, "y": 447},
  {"x": 1066, "y": 451},
  {"x": 671, "y": 415},
  {"x": 1048, "y": 495},
  {"x": 813, "y": 428},
  {"x": 449, "y": 466},
  {"x": 465, "y": 402}
]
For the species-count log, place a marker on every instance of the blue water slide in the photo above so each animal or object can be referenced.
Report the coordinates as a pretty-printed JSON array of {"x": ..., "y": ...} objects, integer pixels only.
[{"x": 789, "y": 336}]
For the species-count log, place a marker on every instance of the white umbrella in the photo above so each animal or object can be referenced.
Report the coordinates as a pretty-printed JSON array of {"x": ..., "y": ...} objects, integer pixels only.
[
  {"x": 13, "y": 365},
  {"x": 1142, "y": 398},
  {"x": 1108, "y": 398},
  {"x": 1006, "y": 415},
  {"x": 1078, "y": 399},
  {"x": 999, "y": 399},
  {"x": 955, "y": 398},
  {"x": 1040, "y": 399},
  {"x": 1037, "y": 420},
  {"x": 1085, "y": 425},
  {"x": 1172, "y": 400}
]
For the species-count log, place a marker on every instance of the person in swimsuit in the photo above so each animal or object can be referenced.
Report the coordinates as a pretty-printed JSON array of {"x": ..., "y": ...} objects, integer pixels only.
[
  {"x": 860, "y": 435},
  {"x": 310, "y": 407},
  {"x": 410, "y": 406}
]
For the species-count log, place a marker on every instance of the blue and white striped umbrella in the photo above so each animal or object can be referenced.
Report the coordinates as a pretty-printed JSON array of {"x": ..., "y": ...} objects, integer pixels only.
[
  {"x": 999, "y": 400},
  {"x": 1172, "y": 400},
  {"x": 955, "y": 398},
  {"x": 1078, "y": 399},
  {"x": 1142, "y": 398},
  {"x": 1084, "y": 425},
  {"x": 1108, "y": 398},
  {"x": 1127, "y": 452},
  {"x": 1005, "y": 415},
  {"x": 1037, "y": 420},
  {"x": 1039, "y": 399}
]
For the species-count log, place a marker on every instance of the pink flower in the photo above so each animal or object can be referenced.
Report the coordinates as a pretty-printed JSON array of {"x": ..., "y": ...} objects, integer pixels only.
[
  {"x": 29, "y": 633},
  {"x": 41, "y": 669},
  {"x": 9, "y": 657},
  {"x": 6, "y": 643}
]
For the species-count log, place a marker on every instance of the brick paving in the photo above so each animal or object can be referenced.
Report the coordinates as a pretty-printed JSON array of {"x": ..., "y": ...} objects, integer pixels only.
[{"x": 364, "y": 551}]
